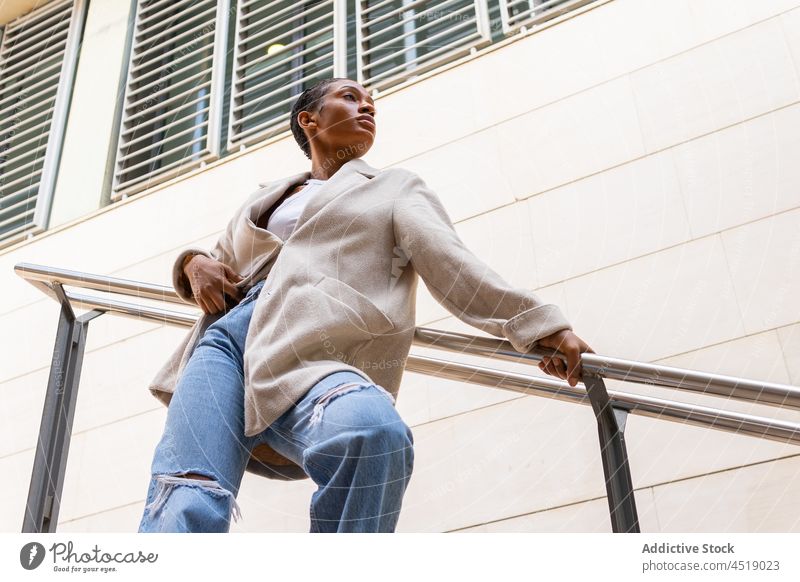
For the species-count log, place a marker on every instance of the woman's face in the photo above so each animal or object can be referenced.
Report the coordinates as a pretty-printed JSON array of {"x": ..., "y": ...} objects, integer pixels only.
[{"x": 341, "y": 126}]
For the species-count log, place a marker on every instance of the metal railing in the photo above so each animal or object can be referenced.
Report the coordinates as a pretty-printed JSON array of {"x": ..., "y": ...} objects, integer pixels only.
[{"x": 610, "y": 407}]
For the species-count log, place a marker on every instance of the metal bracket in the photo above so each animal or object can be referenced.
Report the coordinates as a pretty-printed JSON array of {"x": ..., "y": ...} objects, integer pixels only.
[
  {"x": 619, "y": 485},
  {"x": 55, "y": 429}
]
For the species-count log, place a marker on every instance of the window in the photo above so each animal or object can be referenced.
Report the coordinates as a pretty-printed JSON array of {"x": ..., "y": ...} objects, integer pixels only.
[
  {"x": 399, "y": 39},
  {"x": 203, "y": 82},
  {"x": 515, "y": 14},
  {"x": 38, "y": 55},
  {"x": 171, "y": 118},
  {"x": 282, "y": 48}
]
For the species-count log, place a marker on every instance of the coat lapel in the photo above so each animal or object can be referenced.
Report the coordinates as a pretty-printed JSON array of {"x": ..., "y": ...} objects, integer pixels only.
[
  {"x": 271, "y": 192},
  {"x": 351, "y": 174}
]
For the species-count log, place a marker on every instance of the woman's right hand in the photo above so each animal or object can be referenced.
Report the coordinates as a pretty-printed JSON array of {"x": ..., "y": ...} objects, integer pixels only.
[{"x": 210, "y": 279}]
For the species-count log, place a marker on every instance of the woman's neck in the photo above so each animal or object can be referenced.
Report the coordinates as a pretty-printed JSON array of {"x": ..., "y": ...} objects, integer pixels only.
[{"x": 325, "y": 166}]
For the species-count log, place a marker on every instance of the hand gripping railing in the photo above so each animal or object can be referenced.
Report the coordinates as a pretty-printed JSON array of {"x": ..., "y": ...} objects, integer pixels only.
[{"x": 610, "y": 407}]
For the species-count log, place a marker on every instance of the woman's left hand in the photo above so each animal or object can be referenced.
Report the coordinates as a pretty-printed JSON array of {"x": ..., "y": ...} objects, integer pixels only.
[{"x": 569, "y": 344}]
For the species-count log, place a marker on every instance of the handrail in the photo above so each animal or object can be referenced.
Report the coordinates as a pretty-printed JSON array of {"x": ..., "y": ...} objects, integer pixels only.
[
  {"x": 611, "y": 407},
  {"x": 730, "y": 387},
  {"x": 768, "y": 393},
  {"x": 662, "y": 409},
  {"x": 46, "y": 275}
]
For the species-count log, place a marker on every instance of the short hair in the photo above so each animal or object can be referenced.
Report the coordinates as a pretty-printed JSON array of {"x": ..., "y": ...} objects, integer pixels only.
[{"x": 309, "y": 100}]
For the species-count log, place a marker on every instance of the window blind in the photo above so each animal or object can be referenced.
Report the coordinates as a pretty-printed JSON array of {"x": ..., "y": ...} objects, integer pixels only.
[
  {"x": 38, "y": 53},
  {"x": 399, "y": 39},
  {"x": 519, "y": 13},
  {"x": 173, "y": 96},
  {"x": 282, "y": 48}
]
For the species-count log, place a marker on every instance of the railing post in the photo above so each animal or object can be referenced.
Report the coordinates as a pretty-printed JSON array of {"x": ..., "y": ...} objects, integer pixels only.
[
  {"x": 611, "y": 430},
  {"x": 55, "y": 430}
]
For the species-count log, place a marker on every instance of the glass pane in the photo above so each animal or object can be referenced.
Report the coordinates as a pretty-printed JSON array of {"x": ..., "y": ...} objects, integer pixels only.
[
  {"x": 168, "y": 100},
  {"x": 283, "y": 49},
  {"x": 31, "y": 58}
]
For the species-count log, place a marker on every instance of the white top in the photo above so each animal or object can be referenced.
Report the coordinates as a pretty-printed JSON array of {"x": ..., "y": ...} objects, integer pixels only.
[{"x": 284, "y": 217}]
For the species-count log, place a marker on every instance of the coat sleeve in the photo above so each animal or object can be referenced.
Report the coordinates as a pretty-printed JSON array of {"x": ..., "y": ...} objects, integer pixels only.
[
  {"x": 222, "y": 252},
  {"x": 460, "y": 281}
]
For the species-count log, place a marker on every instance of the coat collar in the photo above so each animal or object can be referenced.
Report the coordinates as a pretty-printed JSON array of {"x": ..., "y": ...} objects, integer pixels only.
[
  {"x": 351, "y": 174},
  {"x": 354, "y": 165}
]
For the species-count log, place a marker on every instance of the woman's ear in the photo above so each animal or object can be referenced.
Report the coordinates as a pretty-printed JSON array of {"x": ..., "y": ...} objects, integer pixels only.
[{"x": 306, "y": 120}]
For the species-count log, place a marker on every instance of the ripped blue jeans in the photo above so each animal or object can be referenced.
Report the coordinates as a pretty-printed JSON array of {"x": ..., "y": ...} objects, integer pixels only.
[{"x": 345, "y": 433}]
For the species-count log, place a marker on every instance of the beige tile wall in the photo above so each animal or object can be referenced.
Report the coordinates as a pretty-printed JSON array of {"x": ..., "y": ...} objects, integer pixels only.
[{"x": 634, "y": 164}]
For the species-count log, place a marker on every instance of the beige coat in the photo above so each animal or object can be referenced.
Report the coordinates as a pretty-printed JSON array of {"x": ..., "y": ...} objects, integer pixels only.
[{"x": 340, "y": 291}]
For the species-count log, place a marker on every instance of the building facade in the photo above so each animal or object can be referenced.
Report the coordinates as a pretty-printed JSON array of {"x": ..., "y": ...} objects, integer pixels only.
[{"x": 633, "y": 161}]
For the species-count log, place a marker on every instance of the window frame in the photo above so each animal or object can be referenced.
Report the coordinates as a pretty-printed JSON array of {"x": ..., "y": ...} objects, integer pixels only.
[
  {"x": 211, "y": 145},
  {"x": 478, "y": 38},
  {"x": 58, "y": 119},
  {"x": 522, "y": 22},
  {"x": 339, "y": 69}
]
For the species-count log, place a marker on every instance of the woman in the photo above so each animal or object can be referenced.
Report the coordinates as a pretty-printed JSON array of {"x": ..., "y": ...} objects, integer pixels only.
[{"x": 331, "y": 258}]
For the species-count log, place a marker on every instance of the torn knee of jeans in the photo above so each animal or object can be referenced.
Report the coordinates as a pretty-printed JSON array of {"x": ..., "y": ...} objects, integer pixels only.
[
  {"x": 166, "y": 483},
  {"x": 323, "y": 400}
]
